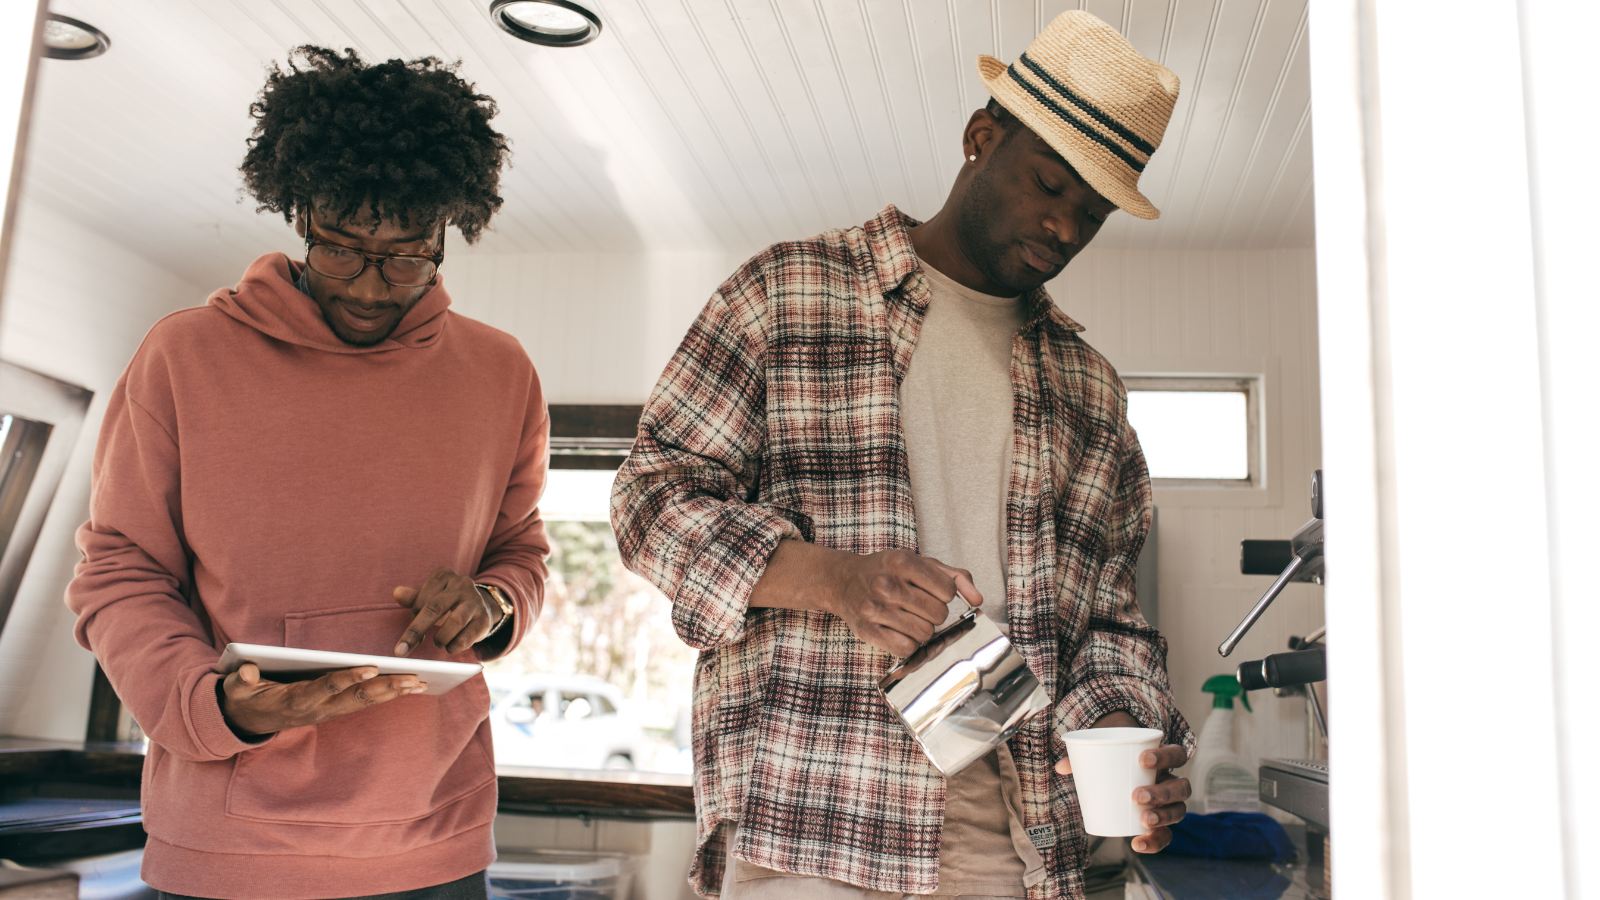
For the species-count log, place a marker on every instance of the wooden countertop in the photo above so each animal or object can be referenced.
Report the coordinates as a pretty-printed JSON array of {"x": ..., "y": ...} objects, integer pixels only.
[{"x": 601, "y": 794}]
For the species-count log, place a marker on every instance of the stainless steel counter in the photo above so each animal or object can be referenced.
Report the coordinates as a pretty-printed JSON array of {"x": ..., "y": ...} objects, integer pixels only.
[{"x": 1165, "y": 876}]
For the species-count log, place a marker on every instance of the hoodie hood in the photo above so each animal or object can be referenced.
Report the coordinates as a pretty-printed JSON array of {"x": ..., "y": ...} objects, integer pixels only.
[{"x": 267, "y": 300}]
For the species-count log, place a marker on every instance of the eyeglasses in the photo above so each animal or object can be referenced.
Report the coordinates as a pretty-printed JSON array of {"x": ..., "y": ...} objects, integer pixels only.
[{"x": 397, "y": 269}]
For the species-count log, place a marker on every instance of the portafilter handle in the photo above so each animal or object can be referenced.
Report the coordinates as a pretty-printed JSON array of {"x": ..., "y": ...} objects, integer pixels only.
[{"x": 1281, "y": 670}]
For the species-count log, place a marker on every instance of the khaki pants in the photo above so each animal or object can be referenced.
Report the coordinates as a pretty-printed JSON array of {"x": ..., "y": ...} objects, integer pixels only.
[
  {"x": 985, "y": 853},
  {"x": 744, "y": 881}
]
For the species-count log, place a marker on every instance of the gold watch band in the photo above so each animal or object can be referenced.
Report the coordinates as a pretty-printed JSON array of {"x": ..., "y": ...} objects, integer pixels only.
[{"x": 506, "y": 609}]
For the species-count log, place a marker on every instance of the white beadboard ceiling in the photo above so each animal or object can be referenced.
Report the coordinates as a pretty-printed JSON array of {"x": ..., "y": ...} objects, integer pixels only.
[{"x": 689, "y": 126}]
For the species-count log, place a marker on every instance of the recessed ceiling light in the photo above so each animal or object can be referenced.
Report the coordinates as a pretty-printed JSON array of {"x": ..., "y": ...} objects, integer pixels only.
[
  {"x": 553, "y": 23},
  {"x": 68, "y": 38}
]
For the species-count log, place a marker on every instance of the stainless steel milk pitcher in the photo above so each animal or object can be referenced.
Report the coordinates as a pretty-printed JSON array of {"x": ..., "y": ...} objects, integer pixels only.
[{"x": 964, "y": 692}]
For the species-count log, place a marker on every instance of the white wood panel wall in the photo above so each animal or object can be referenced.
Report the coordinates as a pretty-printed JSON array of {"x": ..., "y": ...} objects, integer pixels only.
[
  {"x": 600, "y": 327},
  {"x": 76, "y": 307},
  {"x": 1247, "y": 312}
]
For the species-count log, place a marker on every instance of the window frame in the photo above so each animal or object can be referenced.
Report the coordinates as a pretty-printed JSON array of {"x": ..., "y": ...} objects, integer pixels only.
[
  {"x": 591, "y": 435},
  {"x": 63, "y": 407},
  {"x": 1250, "y": 386}
]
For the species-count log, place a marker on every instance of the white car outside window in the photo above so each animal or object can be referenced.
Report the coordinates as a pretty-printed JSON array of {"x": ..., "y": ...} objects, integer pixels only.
[{"x": 562, "y": 722}]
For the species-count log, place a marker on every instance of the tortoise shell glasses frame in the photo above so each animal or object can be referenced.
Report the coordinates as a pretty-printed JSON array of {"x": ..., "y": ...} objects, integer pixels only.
[{"x": 338, "y": 261}]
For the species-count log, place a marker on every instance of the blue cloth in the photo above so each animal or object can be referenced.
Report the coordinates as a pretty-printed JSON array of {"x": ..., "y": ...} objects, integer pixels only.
[{"x": 1231, "y": 835}]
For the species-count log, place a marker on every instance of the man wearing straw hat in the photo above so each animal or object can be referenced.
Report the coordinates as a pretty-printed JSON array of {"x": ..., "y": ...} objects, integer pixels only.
[{"x": 862, "y": 426}]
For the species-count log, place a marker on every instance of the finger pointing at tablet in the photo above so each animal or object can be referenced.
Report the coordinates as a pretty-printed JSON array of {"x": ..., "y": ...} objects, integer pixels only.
[
  {"x": 255, "y": 706},
  {"x": 452, "y": 602}
]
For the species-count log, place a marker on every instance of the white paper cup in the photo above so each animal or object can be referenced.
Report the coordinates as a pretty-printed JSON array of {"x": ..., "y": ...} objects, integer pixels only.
[{"x": 1106, "y": 770}]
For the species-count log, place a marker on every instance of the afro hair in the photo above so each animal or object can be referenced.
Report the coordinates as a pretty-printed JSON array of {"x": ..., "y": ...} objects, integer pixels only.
[{"x": 410, "y": 140}]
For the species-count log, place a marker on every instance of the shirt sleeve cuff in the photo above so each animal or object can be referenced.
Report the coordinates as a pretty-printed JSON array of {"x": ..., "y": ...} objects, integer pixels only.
[
  {"x": 1099, "y": 696},
  {"x": 725, "y": 572},
  {"x": 211, "y": 731}
]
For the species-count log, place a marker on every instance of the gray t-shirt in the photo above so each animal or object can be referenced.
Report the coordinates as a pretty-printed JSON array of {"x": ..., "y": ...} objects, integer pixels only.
[{"x": 955, "y": 407}]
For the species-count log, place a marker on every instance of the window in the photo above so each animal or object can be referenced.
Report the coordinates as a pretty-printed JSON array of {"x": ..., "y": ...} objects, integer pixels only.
[
  {"x": 1197, "y": 432},
  {"x": 22, "y": 443},
  {"x": 575, "y": 707},
  {"x": 610, "y": 682},
  {"x": 578, "y": 495}
]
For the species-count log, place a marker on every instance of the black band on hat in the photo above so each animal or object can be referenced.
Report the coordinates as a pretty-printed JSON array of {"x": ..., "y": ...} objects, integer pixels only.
[
  {"x": 1074, "y": 121},
  {"x": 1093, "y": 111}
]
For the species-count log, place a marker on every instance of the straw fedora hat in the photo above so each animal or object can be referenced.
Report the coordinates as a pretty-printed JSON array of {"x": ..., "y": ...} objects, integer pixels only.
[{"x": 1083, "y": 88}]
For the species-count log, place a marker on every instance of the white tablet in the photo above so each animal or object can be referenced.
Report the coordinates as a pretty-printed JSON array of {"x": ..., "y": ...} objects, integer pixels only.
[{"x": 295, "y": 664}]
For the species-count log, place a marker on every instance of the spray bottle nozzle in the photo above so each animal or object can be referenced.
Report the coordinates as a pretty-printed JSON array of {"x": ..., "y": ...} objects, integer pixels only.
[{"x": 1225, "y": 688}]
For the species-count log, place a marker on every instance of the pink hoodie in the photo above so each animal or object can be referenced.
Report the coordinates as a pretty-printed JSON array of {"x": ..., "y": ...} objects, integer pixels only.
[{"x": 258, "y": 480}]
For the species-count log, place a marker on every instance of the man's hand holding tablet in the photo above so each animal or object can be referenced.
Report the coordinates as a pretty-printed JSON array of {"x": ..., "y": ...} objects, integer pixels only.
[
  {"x": 270, "y": 688},
  {"x": 253, "y": 705}
]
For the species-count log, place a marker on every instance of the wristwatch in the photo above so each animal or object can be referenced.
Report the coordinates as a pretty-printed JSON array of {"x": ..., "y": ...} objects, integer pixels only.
[{"x": 506, "y": 609}]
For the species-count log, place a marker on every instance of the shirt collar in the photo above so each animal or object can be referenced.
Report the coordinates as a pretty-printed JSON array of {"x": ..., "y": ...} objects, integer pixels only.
[{"x": 894, "y": 259}]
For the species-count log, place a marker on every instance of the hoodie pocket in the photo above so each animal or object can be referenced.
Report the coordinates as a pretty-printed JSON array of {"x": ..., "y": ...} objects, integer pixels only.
[{"x": 397, "y": 762}]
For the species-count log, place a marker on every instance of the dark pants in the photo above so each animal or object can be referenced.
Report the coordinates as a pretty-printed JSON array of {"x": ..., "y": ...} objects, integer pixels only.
[{"x": 472, "y": 887}]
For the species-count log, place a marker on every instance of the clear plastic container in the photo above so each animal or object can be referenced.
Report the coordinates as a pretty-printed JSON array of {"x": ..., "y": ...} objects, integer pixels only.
[{"x": 568, "y": 875}]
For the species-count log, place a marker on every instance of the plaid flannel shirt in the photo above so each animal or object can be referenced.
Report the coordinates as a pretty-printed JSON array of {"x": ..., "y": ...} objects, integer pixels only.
[{"x": 778, "y": 417}]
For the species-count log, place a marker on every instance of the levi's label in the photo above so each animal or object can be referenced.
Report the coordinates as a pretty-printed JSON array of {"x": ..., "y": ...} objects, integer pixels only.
[{"x": 1042, "y": 836}]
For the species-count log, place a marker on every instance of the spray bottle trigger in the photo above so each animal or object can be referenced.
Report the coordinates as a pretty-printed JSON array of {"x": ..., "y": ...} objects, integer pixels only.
[{"x": 1223, "y": 689}]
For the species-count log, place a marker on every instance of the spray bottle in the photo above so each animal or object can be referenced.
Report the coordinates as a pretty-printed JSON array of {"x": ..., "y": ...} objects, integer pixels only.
[{"x": 1222, "y": 778}]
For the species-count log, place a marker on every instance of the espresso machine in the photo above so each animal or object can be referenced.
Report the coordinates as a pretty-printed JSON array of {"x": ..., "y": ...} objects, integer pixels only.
[{"x": 1298, "y": 786}]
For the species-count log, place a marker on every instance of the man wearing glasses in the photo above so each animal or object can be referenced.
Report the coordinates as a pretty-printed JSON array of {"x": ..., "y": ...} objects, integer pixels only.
[{"x": 327, "y": 457}]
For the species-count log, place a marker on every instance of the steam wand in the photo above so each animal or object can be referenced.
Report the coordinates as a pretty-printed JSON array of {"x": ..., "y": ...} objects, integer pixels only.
[{"x": 1304, "y": 566}]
